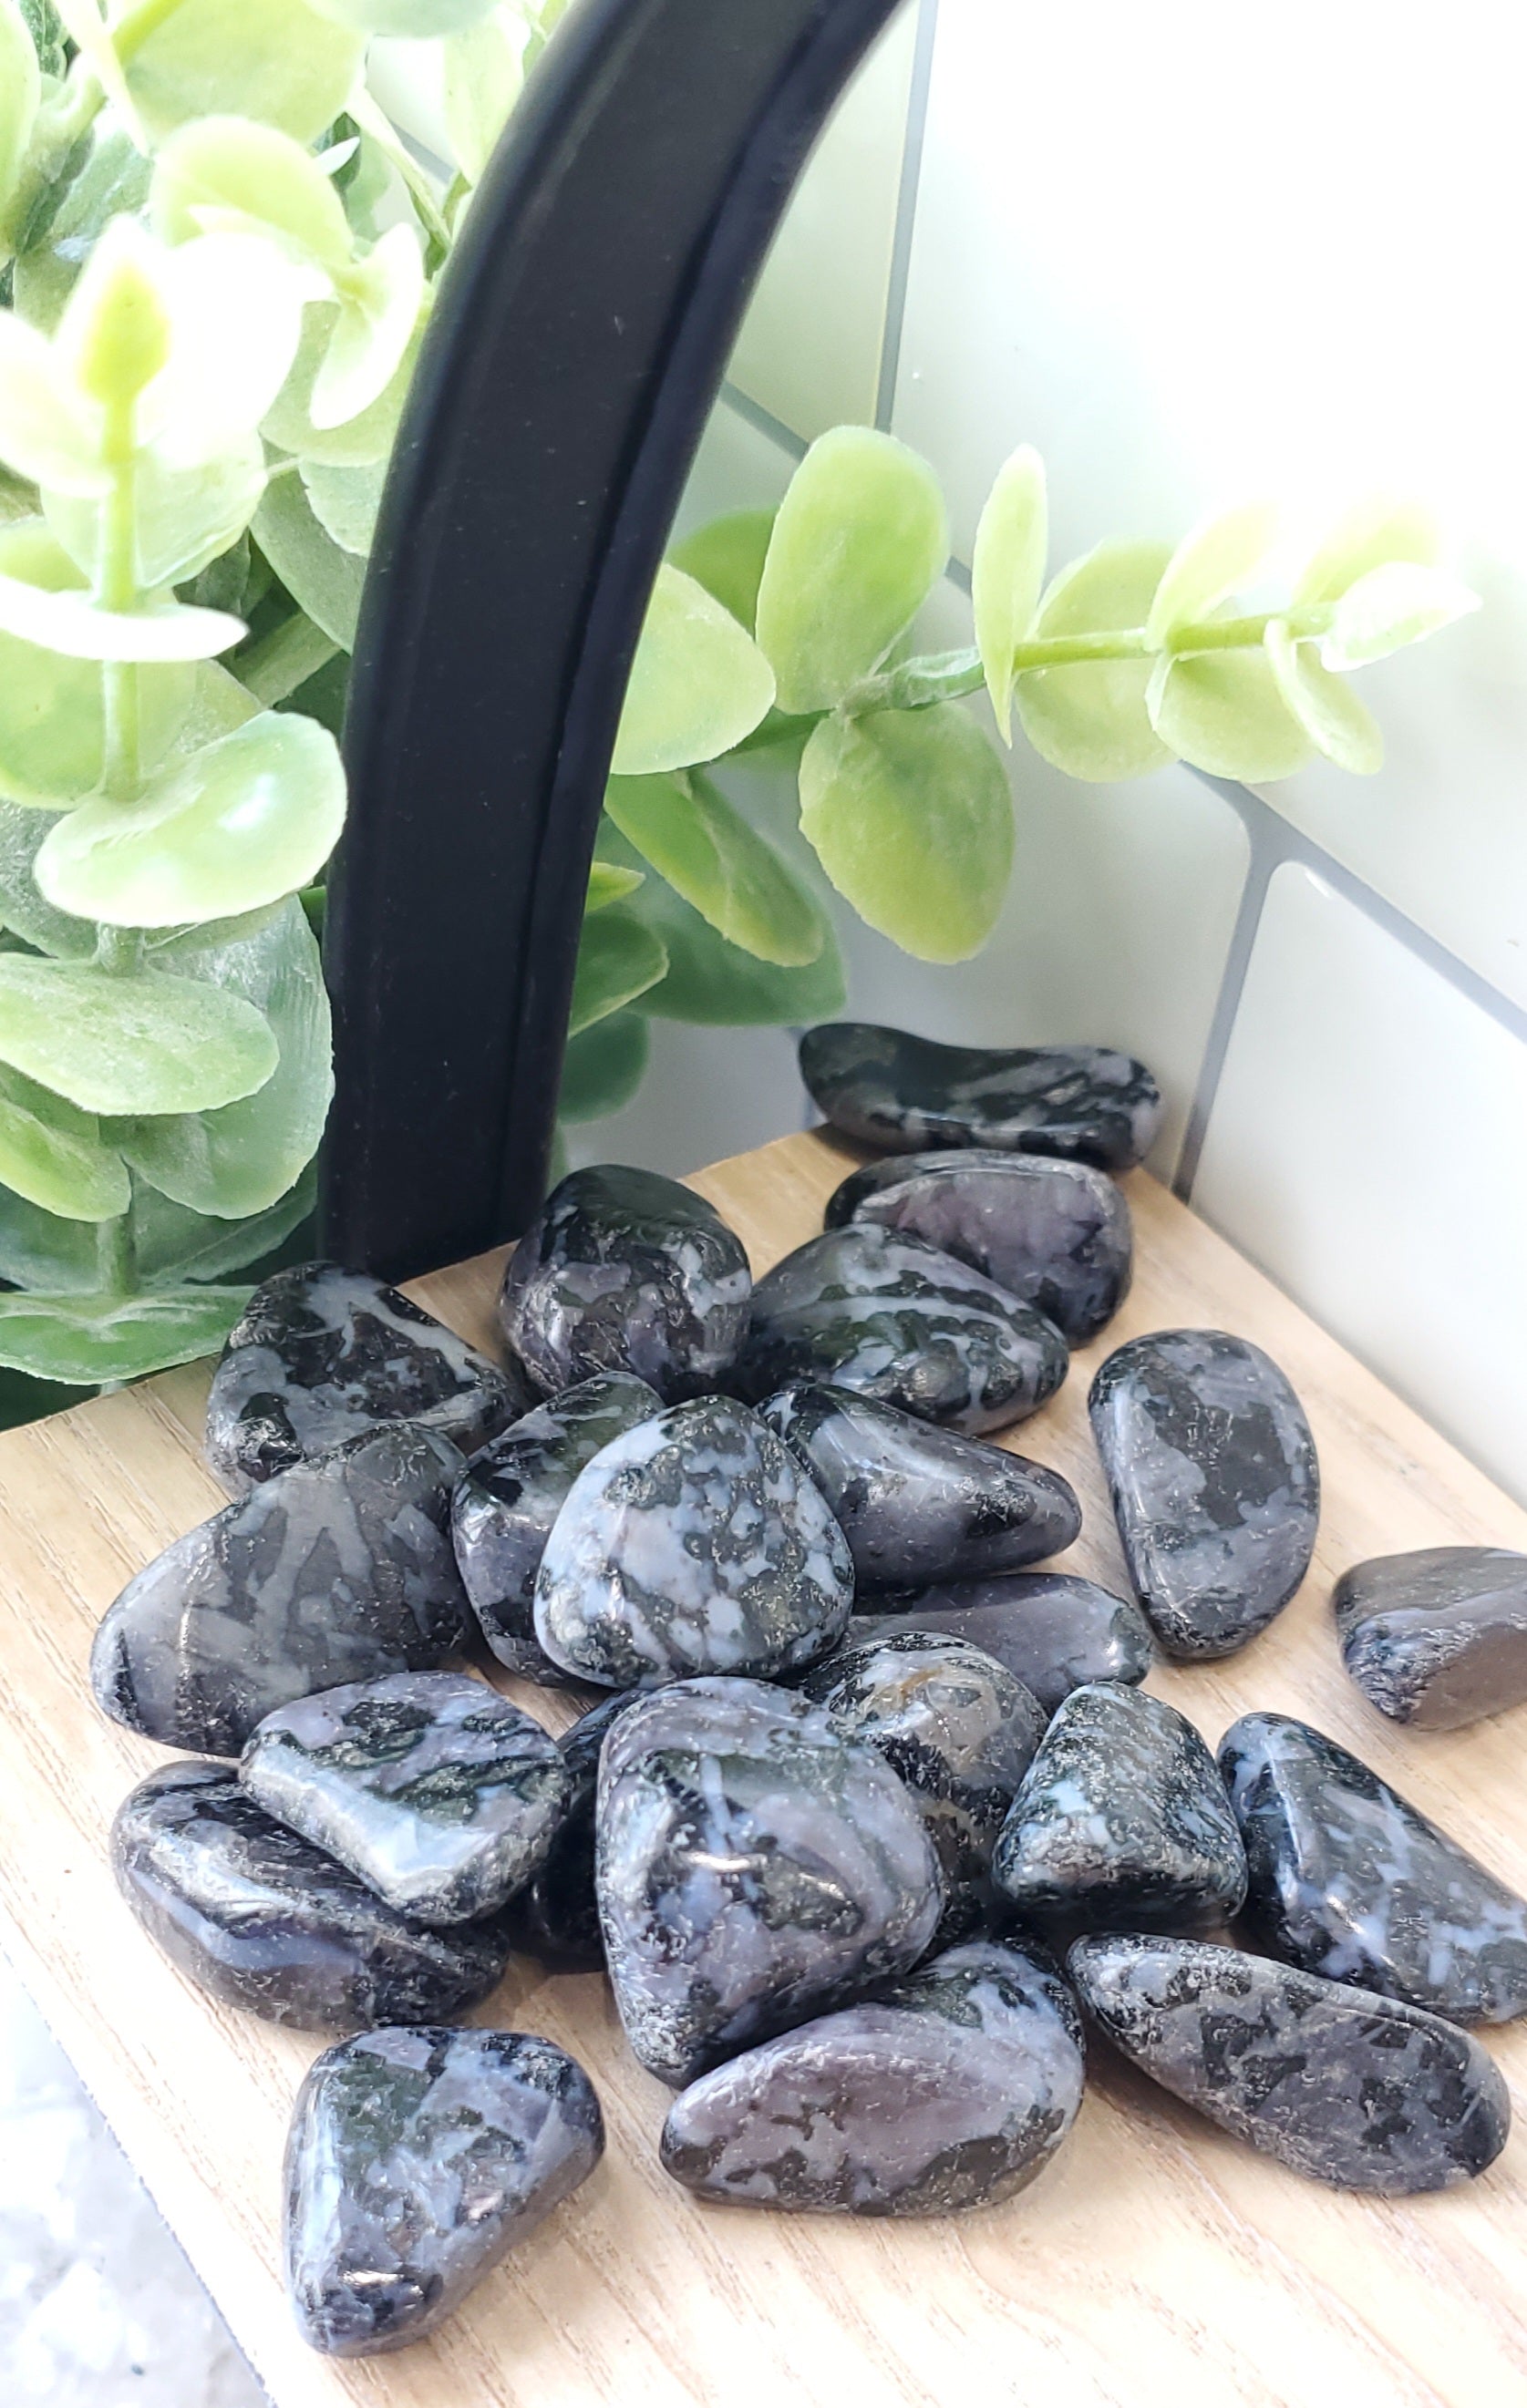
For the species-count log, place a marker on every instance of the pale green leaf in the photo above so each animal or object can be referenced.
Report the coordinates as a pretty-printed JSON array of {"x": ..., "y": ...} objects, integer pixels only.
[
  {"x": 345, "y": 502},
  {"x": 115, "y": 334},
  {"x": 20, "y": 89},
  {"x": 172, "y": 1244},
  {"x": 1214, "y": 559},
  {"x": 129, "y": 1044},
  {"x": 219, "y": 172},
  {"x": 618, "y": 959},
  {"x": 289, "y": 421},
  {"x": 325, "y": 580},
  {"x": 104, "y": 178},
  {"x": 236, "y": 301},
  {"x": 715, "y": 984},
  {"x": 698, "y": 684},
  {"x": 94, "y": 1339},
  {"x": 727, "y": 556},
  {"x": 47, "y": 433},
  {"x": 483, "y": 75},
  {"x": 1223, "y": 712},
  {"x": 693, "y": 836},
  {"x": 40, "y": 1250},
  {"x": 1090, "y": 718},
  {"x": 1337, "y": 723},
  {"x": 1377, "y": 531},
  {"x": 379, "y": 300},
  {"x": 55, "y": 1155},
  {"x": 1007, "y": 573},
  {"x": 21, "y": 908},
  {"x": 277, "y": 61},
  {"x": 84, "y": 21},
  {"x": 183, "y": 518},
  {"x": 1398, "y": 604},
  {"x": 603, "y": 1068},
  {"x": 71, "y": 623},
  {"x": 610, "y": 883}
]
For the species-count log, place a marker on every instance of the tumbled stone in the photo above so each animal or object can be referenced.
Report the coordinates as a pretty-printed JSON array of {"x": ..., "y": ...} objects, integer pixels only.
[
  {"x": 1352, "y": 2090},
  {"x": 556, "y": 1914},
  {"x": 417, "y": 2160},
  {"x": 894, "y": 1319},
  {"x": 1122, "y": 1821},
  {"x": 694, "y": 1543},
  {"x": 905, "y": 1093},
  {"x": 1056, "y": 1235},
  {"x": 508, "y": 1499},
  {"x": 1437, "y": 1637},
  {"x": 336, "y": 1570},
  {"x": 953, "y": 2089},
  {"x": 320, "y": 1354},
  {"x": 624, "y": 1271},
  {"x": 264, "y": 1921},
  {"x": 437, "y": 1792},
  {"x": 754, "y": 1869},
  {"x": 1214, "y": 1484},
  {"x": 1054, "y": 1631},
  {"x": 1350, "y": 1880}
]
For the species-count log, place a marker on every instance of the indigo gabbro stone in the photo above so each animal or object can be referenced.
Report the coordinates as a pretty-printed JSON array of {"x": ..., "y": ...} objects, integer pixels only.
[
  {"x": 1054, "y": 1631},
  {"x": 1056, "y": 1235},
  {"x": 263, "y": 1920},
  {"x": 437, "y": 1792},
  {"x": 1214, "y": 1484},
  {"x": 416, "y": 2161},
  {"x": 556, "y": 1914},
  {"x": 1351, "y": 1881},
  {"x": 336, "y": 1570},
  {"x": 320, "y": 1354},
  {"x": 1351, "y": 2090},
  {"x": 918, "y": 1503},
  {"x": 508, "y": 1499},
  {"x": 624, "y": 1271},
  {"x": 894, "y": 1319},
  {"x": 1122, "y": 1821},
  {"x": 694, "y": 1543},
  {"x": 1438, "y": 1636},
  {"x": 753, "y": 1867},
  {"x": 953, "y": 2089}
]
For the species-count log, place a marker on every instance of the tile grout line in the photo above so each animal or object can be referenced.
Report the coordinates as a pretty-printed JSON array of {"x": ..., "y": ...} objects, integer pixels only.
[
  {"x": 1260, "y": 865},
  {"x": 906, "y": 213},
  {"x": 762, "y": 422}
]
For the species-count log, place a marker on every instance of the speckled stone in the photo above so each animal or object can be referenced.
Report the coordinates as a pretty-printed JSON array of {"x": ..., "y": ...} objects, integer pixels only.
[
  {"x": 263, "y": 1920},
  {"x": 508, "y": 1499},
  {"x": 894, "y": 1319},
  {"x": 556, "y": 1914},
  {"x": 1122, "y": 1821},
  {"x": 624, "y": 1271},
  {"x": 1352, "y": 2090},
  {"x": 1350, "y": 1880},
  {"x": 1215, "y": 1482},
  {"x": 1054, "y": 1631},
  {"x": 321, "y": 1355},
  {"x": 953, "y": 2089},
  {"x": 336, "y": 1570},
  {"x": 416, "y": 2161},
  {"x": 694, "y": 1543},
  {"x": 437, "y": 1792},
  {"x": 754, "y": 1869},
  {"x": 1056, "y": 1235},
  {"x": 1437, "y": 1637},
  {"x": 905, "y": 1093}
]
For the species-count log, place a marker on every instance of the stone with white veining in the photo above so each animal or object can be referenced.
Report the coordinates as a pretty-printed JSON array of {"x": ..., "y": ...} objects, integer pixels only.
[
  {"x": 1054, "y": 1631},
  {"x": 1436, "y": 1636},
  {"x": 905, "y": 1093}
]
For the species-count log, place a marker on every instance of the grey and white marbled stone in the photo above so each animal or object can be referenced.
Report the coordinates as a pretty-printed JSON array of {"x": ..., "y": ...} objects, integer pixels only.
[
  {"x": 906, "y": 1093},
  {"x": 264, "y": 1921},
  {"x": 694, "y": 1543},
  {"x": 918, "y": 1503},
  {"x": 625, "y": 1270},
  {"x": 1056, "y": 1235},
  {"x": 754, "y": 1869},
  {"x": 1054, "y": 1631},
  {"x": 957, "y": 1729},
  {"x": 1436, "y": 1636},
  {"x": 1350, "y": 1880},
  {"x": 555, "y": 1916},
  {"x": 896, "y": 1320},
  {"x": 953, "y": 2089},
  {"x": 321, "y": 1355},
  {"x": 1122, "y": 1821},
  {"x": 509, "y": 1496},
  {"x": 1351, "y": 2090},
  {"x": 436, "y": 1792},
  {"x": 417, "y": 2160},
  {"x": 1214, "y": 1484},
  {"x": 336, "y": 1570}
]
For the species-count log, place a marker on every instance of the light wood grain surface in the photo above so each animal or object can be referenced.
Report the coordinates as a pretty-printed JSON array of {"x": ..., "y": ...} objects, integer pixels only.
[{"x": 1155, "y": 2262}]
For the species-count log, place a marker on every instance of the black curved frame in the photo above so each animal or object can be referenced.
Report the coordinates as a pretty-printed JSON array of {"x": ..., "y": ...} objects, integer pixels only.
[{"x": 576, "y": 350}]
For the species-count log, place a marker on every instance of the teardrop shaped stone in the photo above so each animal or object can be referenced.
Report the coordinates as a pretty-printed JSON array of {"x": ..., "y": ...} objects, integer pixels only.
[
  {"x": 1056, "y": 1235},
  {"x": 1215, "y": 1485},
  {"x": 417, "y": 2160},
  {"x": 321, "y": 1355},
  {"x": 1352, "y": 2090},
  {"x": 954, "y": 2088},
  {"x": 1436, "y": 1636},
  {"x": 1350, "y": 1880},
  {"x": 1122, "y": 1821},
  {"x": 556, "y": 1914},
  {"x": 1054, "y": 1631},
  {"x": 624, "y": 1271},
  {"x": 510, "y": 1495},
  {"x": 264, "y": 1921},
  {"x": 753, "y": 1867},
  {"x": 905, "y": 1093},
  {"x": 694, "y": 1543},
  {"x": 895, "y": 1320}
]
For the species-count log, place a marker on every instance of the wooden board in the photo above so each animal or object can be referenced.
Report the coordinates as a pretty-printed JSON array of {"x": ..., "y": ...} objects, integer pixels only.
[{"x": 1155, "y": 2262}]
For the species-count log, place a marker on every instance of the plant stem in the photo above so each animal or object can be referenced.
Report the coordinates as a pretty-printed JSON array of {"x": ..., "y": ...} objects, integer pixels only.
[
  {"x": 286, "y": 658},
  {"x": 117, "y": 588},
  {"x": 116, "y": 1271}
]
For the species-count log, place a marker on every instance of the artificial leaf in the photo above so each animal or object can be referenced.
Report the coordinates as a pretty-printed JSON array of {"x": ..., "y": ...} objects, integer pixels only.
[
  {"x": 41, "y": 1250},
  {"x": 172, "y": 1244},
  {"x": 276, "y": 61},
  {"x": 1214, "y": 559},
  {"x": 727, "y": 556},
  {"x": 1223, "y": 712},
  {"x": 610, "y": 883},
  {"x": 618, "y": 959},
  {"x": 603, "y": 1068},
  {"x": 104, "y": 176},
  {"x": 1392, "y": 606},
  {"x": 235, "y": 300},
  {"x": 345, "y": 501},
  {"x": 1377, "y": 531},
  {"x": 69, "y": 622},
  {"x": 223, "y": 172},
  {"x": 1007, "y": 573},
  {"x": 1089, "y": 717},
  {"x": 22, "y": 910},
  {"x": 47, "y": 433},
  {"x": 699, "y": 684},
  {"x": 1337, "y": 722},
  {"x": 316, "y": 571},
  {"x": 705, "y": 849},
  {"x": 379, "y": 300},
  {"x": 184, "y": 519},
  {"x": 115, "y": 333},
  {"x": 20, "y": 89},
  {"x": 133, "y": 1043},
  {"x": 84, "y": 21},
  {"x": 55, "y": 1155},
  {"x": 717, "y": 985},
  {"x": 289, "y": 421},
  {"x": 483, "y": 75},
  {"x": 94, "y": 1339}
]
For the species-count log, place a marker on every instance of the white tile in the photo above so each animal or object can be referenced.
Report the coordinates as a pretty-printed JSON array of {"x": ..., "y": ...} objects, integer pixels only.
[
  {"x": 707, "y": 1093},
  {"x": 1369, "y": 1148}
]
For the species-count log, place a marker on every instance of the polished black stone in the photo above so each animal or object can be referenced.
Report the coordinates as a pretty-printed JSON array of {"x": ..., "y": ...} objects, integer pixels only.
[
  {"x": 556, "y": 1914},
  {"x": 1437, "y": 1637},
  {"x": 417, "y": 2159},
  {"x": 1350, "y": 1880},
  {"x": 1215, "y": 1482},
  {"x": 1054, "y": 1631},
  {"x": 1352, "y": 2090},
  {"x": 624, "y": 1271}
]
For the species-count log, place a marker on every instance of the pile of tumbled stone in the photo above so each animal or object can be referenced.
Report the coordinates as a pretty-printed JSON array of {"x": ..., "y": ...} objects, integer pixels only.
[{"x": 870, "y": 1810}]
